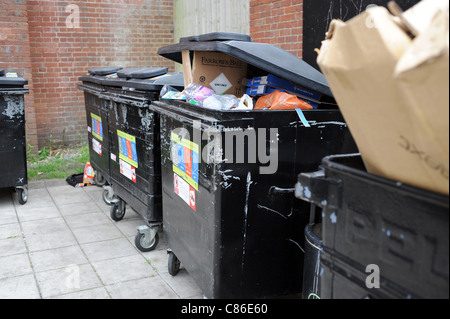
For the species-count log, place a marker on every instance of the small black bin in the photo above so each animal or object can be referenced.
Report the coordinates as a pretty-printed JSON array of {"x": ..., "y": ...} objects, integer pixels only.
[
  {"x": 135, "y": 146},
  {"x": 13, "y": 153},
  {"x": 381, "y": 238},
  {"x": 238, "y": 231}
]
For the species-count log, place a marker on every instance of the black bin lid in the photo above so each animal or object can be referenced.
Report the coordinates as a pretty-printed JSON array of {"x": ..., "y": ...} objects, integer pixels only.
[
  {"x": 142, "y": 73},
  {"x": 14, "y": 80},
  {"x": 98, "y": 75},
  {"x": 154, "y": 84},
  {"x": 103, "y": 71},
  {"x": 218, "y": 36},
  {"x": 265, "y": 57}
]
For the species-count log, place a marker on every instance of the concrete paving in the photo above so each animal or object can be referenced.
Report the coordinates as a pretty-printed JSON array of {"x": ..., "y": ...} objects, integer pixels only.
[{"x": 63, "y": 244}]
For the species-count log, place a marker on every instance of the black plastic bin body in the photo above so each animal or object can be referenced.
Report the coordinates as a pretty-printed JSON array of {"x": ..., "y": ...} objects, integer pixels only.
[
  {"x": 134, "y": 129},
  {"x": 237, "y": 231},
  {"x": 240, "y": 234},
  {"x": 372, "y": 221},
  {"x": 13, "y": 154},
  {"x": 97, "y": 115}
]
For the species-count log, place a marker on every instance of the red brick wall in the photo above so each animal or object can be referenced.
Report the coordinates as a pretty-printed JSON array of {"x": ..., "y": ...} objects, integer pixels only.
[
  {"x": 111, "y": 32},
  {"x": 15, "y": 54},
  {"x": 278, "y": 22},
  {"x": 53, "y": 56},
  {"x": 123, "y": 33}
]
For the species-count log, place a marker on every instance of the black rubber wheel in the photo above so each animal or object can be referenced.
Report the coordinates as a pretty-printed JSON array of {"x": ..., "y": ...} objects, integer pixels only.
[
  {"x": 117, "y": 211},
  {"x": 144, "y": 245},
  {"x": 22, "y": 196},
  {"x": 173, "y": 264},
  {"x": 99, "y": 179}
]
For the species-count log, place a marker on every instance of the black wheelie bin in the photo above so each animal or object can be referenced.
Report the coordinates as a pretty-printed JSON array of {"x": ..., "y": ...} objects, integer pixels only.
[
  {"x": 380, "y": 238},
  {"x": 97, "y": 115},
  {"x": 230, "y": 217},
  {"x": 135, "y": 147},
  {"x": 13, "y": 152}
]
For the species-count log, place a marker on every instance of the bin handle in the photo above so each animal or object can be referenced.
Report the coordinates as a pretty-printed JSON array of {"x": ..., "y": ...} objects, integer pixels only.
[
  {"x": 315, "y": 188},
  {"x": 278, "y": 190}
]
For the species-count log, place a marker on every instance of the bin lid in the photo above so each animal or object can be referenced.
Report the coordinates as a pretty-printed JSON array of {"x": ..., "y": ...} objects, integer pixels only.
[
  {"x": 218, "y": 36},
  {"x": 11, "y": 79},
  {"x": 104, "y": 71},
  {"x": 265, "y": 57},
  {"x": 98, "y": 75},
  {"x": 142, "y": 73},
  {"x": 153, "y": 84}
]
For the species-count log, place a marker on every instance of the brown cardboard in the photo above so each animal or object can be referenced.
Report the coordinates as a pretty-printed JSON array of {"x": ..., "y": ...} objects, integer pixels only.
[
  {"x": 393, "y": 94},
  {"x": 218, "y": 71},
  {"x": 187, "y": 68}
]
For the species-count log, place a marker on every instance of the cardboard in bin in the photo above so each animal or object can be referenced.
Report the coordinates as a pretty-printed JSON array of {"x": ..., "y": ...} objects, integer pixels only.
[
  {"x": 218, "y": 71},
  {"x": 392, "y": 90},
  {"x": 261, "y": 59}
]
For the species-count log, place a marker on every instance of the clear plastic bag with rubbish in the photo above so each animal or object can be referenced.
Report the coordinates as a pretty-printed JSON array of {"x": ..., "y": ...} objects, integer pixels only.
[
  {"x": 169, "y": 93},
  {"x": 221, "y": 102},
  {"x": 207, "y": 98},
  {"x": 196, "y": 94}
]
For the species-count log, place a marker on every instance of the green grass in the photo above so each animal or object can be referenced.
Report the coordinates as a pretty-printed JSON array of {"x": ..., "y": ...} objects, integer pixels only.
[{"x": 57, "y": 164}]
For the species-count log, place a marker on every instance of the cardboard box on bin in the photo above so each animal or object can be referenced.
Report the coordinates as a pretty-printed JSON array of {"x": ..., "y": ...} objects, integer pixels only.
[
  {"x": 393, "y": 90},
  {"x": 215, "y": 70}
]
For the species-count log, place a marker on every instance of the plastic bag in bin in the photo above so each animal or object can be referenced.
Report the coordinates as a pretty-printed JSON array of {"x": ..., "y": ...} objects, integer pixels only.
[{"x": 281, "y": 101}]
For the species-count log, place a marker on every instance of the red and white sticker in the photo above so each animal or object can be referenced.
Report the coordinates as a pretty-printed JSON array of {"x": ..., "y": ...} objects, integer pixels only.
[
  {"x": 185, "y": 191},
  {"x": 97, "y": 146},
  {"x": 128, "y": 171},
  {"x": 192, "y": 201}
]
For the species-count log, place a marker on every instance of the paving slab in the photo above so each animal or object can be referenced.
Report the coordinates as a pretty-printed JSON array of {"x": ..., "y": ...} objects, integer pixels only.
[{"x": 63, "y": 245}]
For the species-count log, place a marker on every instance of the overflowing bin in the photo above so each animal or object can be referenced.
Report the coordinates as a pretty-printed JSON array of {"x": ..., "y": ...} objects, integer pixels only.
[
  {"x": 135, "y": 146},
  {"x": 97, "y": 114},
  {"x": 229, "y": 211},
  {"x": 381, "y": 238},
  {"x": 13, "y": 153}
]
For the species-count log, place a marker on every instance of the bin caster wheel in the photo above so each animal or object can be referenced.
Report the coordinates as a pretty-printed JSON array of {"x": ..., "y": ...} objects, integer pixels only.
[
  {"x": 117, "y": 211},
  {"x": 99, "y": 179},
  {"x": 108, "y": 195},
  {"x": 173, "y": 264},
  {"x": 146, "y": 244},
  {"x": 22, "y": 195}
]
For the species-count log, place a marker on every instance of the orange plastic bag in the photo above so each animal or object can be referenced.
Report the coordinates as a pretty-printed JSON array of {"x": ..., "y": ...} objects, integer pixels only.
[{"x": 281, "y": 101}]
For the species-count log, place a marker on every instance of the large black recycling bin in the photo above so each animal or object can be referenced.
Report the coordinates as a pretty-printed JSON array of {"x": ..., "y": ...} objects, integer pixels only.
[
  {"x": 135, "y": 151},
  {"x": 97, "y": 115},
  {"x": 376, "y": 228},
  {"x": 13, "y": 153},
  {"x": 239, "y": 233}
]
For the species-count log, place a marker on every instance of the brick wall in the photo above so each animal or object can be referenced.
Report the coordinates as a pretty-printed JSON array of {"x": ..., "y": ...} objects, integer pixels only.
[
  {"x": 123, "y": 33},
  {"x": 37, "y": 39},
  {"x": 15, "y": 54},
  {"x": 278, "y": 22},
  {"x": 46, "y": 42}
]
